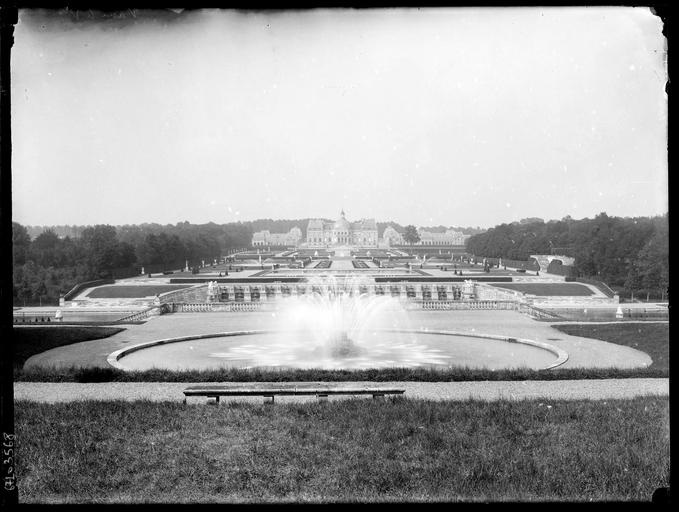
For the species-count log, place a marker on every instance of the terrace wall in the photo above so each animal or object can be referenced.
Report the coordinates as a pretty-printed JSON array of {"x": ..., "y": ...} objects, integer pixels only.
[
  {"x": 487, "y": 292},
  {"x": 530, "y": 264},
  {"x": 87, "y": 284},
  {"x": 599, "y": 285},
  {"x": 558, "y": 268},
  {"x": 433, "y": 250},
  {"x": 196, "y": 293}
]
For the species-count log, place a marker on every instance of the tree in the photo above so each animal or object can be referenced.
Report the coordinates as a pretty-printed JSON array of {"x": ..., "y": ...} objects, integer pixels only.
[
  {"x": 21, "y": 243},
  {"x": 44, "y": 248},
  {"x": 126, "y": 256},
  {"x": 411, "y": 236},
  {"x": 101, "y": 249},
  {"x": 653, "y": 261},
  {"x": 616, "y": 250}
]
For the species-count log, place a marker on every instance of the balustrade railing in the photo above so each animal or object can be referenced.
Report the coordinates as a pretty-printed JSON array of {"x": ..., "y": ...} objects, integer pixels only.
[
  {"x": 538, "y": 313},
  {"x": 203, "y": 307},
  {"x": 467, "y": 304},
  {"x": 140, "y": 315}
]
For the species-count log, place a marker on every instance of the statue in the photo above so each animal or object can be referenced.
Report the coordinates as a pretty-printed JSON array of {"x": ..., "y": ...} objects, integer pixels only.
[{"x": 211, "y": 290}]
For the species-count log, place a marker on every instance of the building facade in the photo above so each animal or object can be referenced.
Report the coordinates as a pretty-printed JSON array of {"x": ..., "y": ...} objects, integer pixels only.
[
  {"x": 290, "y": 239},
  {"x": 362, "y": 233},
  {"x": 392, "y": 237},
  {"x": 450, "y": 237}
]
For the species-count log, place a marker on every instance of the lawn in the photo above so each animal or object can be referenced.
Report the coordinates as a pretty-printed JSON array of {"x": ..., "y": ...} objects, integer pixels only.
[
  {"x": 347, "y": 450},
  {"x": 652, "y": 338},
  {"x": 548, "y": 289},
  {"x": 28, "y": 341},
  {"x": 133, "y": 292}
]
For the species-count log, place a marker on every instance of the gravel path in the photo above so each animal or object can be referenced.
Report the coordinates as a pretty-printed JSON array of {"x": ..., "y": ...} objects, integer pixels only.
[{"x": 594, "y": 389}]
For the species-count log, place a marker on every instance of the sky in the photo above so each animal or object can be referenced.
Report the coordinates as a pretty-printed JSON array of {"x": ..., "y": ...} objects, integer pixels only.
[{"x": 441, "y": 116}]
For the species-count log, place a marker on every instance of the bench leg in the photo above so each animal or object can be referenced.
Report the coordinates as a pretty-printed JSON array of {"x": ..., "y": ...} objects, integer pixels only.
[
  {"x": 216, "y": 400},
  {"x": 268, "y": 399}
]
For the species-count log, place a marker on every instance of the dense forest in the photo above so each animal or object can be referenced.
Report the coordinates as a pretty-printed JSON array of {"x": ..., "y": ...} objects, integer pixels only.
[
  {"x": 49, "y": 265},
  {"x": 273, "y": 225},
  {"x": 629, "y": 254}
]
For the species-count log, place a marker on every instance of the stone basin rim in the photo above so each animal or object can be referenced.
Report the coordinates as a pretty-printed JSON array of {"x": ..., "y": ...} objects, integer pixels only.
[{"x": 561, "y": 355}]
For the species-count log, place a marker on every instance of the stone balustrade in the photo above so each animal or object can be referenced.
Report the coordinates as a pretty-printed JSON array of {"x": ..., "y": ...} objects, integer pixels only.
[{"x": 208, "y": 307}]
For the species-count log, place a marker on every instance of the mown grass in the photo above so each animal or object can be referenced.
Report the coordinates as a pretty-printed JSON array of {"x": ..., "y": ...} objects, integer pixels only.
[
  {"x": 651, "y": 338},
  {"x": 29, "y": 341},
  {"x": 109, "y": 374},
  {"x": 348, "y": 450},
  {"x": 548, "y": 289},
  {"x": 133, "y": 292}
]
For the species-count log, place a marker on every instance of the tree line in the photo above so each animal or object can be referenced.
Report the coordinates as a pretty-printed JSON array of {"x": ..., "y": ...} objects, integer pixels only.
[
  {"x": 49, "y": 265},
  {"x": 630, "y": 254}
]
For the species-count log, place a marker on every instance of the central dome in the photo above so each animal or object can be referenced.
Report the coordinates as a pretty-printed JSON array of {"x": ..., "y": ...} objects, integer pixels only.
[{"x": 342, "y": 224}]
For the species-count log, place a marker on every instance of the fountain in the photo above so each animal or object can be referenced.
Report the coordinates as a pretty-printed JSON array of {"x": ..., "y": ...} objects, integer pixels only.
[
  {"x": 337, "y": 321},
  {"x": 335, "y": 324}
]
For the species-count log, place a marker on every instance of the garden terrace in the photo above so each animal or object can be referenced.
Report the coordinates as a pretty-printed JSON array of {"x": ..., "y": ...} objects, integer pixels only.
[
  {"x": 602, "y": 287},
  {"x": 370, "y": 253},
  {"x": 252, "y": 256},
  {"x": 549, "y": 289},
  {"x": 530, "y": 264},
  {"x": 132, "y": 291},
  {"x": 432, "y": 249},
  {"x": 323, "y": 264},
  {"x": 313, "y": 253},
  {"x": 83, "y": 286},
  {"x": 432, "y": 279},
  {"x": 251, "y": 279}
]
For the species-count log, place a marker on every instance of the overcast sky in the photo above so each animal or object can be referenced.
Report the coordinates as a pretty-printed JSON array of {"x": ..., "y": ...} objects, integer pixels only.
[{"x": 466, "y": 117}]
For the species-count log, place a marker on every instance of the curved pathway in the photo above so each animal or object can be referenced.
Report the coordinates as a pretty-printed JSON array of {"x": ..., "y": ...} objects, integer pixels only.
[
  {"x": 582, "y": 352},
  {"x": 592, "y": 389}
]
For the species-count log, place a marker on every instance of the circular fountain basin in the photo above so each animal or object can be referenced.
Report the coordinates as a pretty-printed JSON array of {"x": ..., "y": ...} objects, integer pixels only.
[{"x": 377, "y": 349}]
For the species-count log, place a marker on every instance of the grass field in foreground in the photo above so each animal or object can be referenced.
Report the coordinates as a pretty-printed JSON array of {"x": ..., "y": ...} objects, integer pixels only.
[{"x": 400, "y": 450}]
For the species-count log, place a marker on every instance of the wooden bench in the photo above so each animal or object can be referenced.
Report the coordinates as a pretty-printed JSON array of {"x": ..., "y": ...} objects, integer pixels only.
[{"x": 269, "y": 393}]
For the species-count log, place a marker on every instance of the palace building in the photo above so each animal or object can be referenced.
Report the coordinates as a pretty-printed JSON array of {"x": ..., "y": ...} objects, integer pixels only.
[
  {"x": 289, "y": 239},
  {"x": 362, "y": 233},
  {"x": 392, "y": 237},
  {"x": 450, "y": 237}
]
